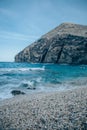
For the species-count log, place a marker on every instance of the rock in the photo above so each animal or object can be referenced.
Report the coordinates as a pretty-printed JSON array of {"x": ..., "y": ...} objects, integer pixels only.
[
  {"x": 31, "y": 88},
  {"x": 43, "y": 121},
  {"x": 16, "y": 92},
  {"x": 66, "y": 44}
]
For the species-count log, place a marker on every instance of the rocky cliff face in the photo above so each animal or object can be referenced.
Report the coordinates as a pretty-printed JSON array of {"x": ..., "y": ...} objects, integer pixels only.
[{"x": 65, "y": 44}]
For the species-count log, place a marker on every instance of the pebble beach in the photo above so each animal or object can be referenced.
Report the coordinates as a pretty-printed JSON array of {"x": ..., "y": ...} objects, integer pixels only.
[{"x": 65, "y": 110}]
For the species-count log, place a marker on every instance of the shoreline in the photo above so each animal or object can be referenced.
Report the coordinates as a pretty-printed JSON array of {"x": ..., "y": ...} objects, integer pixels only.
[{"x": 45, "y": 111}]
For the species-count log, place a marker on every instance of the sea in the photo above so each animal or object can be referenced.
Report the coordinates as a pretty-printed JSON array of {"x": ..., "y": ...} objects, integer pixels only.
[{"x": 34, "y": 78}]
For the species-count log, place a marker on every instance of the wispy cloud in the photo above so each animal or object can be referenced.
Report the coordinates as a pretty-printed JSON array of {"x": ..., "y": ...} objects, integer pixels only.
[{"x": 16, "y": 36}]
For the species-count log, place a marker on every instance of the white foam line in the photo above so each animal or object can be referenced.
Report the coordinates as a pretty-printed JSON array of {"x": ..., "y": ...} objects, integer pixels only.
[{"x": 21, "y": 69}]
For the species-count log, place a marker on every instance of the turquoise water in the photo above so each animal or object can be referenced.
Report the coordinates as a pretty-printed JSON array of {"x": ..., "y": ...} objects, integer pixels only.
[{"x": 32, "y": 78}]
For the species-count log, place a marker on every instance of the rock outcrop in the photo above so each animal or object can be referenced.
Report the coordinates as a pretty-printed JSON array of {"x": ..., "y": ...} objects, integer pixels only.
[{"x": 65, "y": 44}]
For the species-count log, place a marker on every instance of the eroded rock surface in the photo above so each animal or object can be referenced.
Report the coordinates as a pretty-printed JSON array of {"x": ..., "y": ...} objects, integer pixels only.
[{"x": 65, "y": 44}]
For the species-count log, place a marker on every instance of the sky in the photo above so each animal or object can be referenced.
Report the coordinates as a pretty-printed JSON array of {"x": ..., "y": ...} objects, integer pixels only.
[{"x": 24, "y": 21}]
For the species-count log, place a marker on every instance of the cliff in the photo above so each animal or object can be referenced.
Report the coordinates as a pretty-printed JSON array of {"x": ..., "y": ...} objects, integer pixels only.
[{"x": 66, "y": 43}]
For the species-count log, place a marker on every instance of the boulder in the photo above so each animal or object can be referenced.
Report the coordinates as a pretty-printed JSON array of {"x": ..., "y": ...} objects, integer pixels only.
[{"x": 16, "y": 92}]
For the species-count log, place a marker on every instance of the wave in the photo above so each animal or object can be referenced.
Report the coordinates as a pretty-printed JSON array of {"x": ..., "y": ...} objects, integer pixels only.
[
  {"x": 30, "y": 83},
  {"x": 42, "y": 68},
  {"x": 21, "y": 69}
]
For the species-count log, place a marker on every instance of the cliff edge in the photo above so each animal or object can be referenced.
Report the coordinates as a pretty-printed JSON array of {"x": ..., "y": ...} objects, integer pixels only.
[{"x": 66, "y": 44}]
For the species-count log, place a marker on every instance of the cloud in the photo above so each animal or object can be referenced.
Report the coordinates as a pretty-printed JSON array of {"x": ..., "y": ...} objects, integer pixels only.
[{"x": 16, "y": 36}]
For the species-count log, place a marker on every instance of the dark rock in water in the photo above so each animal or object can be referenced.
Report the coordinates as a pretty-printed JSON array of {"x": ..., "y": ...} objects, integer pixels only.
[
  {"x": 31, "y": 88},
  {"x": 16, "y": 92},
  {"x": 66, "y": 44}
]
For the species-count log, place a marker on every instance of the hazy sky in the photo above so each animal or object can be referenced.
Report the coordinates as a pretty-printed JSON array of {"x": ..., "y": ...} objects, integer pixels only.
[{"x": 24, "y": 21}]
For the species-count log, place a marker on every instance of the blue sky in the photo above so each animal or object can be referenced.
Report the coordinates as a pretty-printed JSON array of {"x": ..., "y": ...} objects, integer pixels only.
[{"x": 24, "y": 21}]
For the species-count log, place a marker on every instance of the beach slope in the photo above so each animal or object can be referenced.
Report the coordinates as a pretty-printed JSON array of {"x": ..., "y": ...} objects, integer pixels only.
[{"x": 45, "y": 111}]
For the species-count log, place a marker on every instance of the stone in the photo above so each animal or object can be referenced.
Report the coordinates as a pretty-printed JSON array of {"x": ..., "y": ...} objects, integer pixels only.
[
  {"x": 66, "y": 44},
  {"x": 31, "y": 88},
  {"x": 16, "y": 92}
]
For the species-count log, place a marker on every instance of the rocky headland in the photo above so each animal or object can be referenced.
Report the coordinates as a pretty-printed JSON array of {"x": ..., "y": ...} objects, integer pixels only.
[{"x": 66, "y": 44}]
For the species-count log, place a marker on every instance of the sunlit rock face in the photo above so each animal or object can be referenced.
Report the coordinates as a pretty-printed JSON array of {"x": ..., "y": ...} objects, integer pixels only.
[{"x": 66, "y": 44}]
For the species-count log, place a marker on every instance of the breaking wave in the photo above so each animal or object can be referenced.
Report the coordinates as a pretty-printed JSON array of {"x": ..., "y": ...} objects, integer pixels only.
[
  {"x": 40, "y": 77},
  {"x": 21, "y": 69}
]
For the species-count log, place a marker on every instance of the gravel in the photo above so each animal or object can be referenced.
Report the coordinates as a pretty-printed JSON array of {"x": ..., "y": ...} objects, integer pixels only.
[{"x": 65, "y": 110}]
